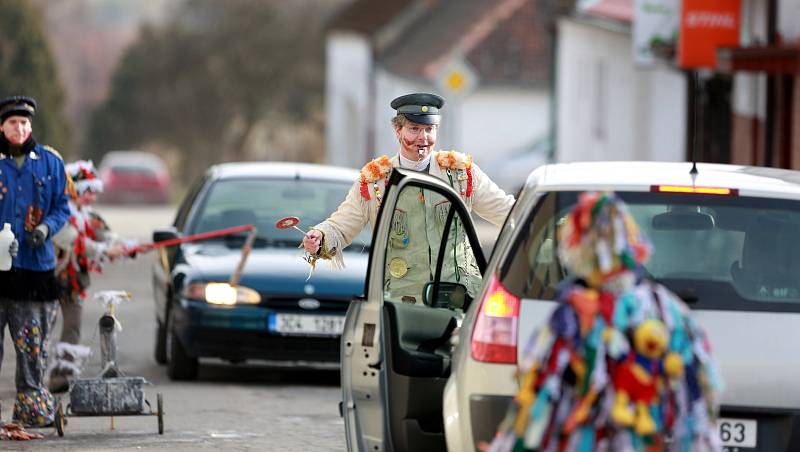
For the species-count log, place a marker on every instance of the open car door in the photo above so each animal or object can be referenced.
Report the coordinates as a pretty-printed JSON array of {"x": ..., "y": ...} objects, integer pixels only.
[{"x": 396, "y": 347}]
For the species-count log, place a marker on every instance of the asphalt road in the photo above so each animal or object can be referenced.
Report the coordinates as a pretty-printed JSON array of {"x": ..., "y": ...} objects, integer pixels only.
[{"x": 242, "y": 407}]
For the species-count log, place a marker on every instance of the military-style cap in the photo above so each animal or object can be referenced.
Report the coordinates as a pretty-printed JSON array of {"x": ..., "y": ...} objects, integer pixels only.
[
  {"x": 422, "y": 108},
  {"x": 17, "y": 105}
]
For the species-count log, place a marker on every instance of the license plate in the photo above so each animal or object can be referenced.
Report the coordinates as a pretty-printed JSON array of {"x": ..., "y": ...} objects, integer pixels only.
[
  {"x": 316, "y": 325},
  {"x": 737, "y": 432}
]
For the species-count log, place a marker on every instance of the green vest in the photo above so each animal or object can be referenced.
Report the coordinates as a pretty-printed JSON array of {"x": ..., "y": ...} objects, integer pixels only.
[{"x": 417, "y": 228}]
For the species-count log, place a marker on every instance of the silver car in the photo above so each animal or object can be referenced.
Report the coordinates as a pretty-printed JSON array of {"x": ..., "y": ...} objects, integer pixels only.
[{"x": 724, "y": 239}]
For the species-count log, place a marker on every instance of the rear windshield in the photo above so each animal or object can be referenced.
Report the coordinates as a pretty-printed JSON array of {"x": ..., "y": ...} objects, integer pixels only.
[
  {"x": 134, "y": 171},
  {"x": 716, "y": 252}
]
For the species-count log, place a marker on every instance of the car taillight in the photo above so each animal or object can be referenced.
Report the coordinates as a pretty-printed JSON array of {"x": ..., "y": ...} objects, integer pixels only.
[{"x": 494, "y": 338}]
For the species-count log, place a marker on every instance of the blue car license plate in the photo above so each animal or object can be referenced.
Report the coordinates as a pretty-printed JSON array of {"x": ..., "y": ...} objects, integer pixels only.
[{"x": 303, "y": 324}]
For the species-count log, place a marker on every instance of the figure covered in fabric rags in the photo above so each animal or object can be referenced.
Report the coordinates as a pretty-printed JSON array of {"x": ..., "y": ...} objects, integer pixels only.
[
  {"x": 620, "y": 365},
  {"x": 83, "y": 246}
]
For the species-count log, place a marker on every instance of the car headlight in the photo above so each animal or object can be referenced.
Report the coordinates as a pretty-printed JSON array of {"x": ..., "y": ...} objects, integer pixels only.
[{"x": 221, "y": 293}]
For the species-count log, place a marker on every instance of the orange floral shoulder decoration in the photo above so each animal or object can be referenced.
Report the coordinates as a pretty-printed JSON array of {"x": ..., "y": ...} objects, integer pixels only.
[
  {"x": 461, "y": 164},
  {"x": 372, "y": 172}
]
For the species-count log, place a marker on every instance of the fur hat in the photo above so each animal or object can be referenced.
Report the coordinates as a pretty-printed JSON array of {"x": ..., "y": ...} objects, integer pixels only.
[
  {"x": 85, "y": 176},
  {"x": 17, "y": 106}
]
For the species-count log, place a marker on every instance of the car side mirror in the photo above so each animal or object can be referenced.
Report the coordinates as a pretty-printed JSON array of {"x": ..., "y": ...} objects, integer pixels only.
[
  {"x": 160, "y": 235},
  {"x": 449, "y": 295}
]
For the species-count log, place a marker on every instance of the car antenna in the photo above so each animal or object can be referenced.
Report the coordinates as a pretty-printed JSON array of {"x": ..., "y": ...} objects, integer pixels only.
[{"x": 693, "y": 172}]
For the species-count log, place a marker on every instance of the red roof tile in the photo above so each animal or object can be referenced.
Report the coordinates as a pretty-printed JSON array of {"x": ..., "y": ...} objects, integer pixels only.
[
  {"x": 500, "y": 38},
  {"x": 612, "y": 9},
  {"x": 368, "y": 16}
]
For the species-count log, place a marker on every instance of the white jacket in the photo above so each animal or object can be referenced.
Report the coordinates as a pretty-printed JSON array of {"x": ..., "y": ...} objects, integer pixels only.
[{"x": 484, "y": 197}]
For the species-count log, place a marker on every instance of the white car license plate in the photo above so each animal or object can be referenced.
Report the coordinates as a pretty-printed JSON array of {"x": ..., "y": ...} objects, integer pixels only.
[
  {"x": 318, "y": 325},
  {"x": 737, "y": 432}
]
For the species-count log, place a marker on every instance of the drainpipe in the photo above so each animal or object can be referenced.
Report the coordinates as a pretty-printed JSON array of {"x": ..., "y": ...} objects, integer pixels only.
[{"x": 769, "y": 120}]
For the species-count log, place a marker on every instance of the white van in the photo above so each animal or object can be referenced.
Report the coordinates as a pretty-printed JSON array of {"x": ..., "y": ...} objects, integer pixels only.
[{"x": 724, "y": 239}]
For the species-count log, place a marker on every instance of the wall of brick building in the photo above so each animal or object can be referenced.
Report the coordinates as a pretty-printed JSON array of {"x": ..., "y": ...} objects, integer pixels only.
[
  {"x": 795, "y": 160},
  {"x": 747, "y": 144}
]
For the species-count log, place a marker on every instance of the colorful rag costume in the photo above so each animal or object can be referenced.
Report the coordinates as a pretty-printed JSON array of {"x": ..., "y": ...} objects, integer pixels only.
[
  {"x": 32, "y": 193},
  {"x": 81, "y": 245},
  {"x": 417, "y": 217},
  {"x": 619, "y": 365}
]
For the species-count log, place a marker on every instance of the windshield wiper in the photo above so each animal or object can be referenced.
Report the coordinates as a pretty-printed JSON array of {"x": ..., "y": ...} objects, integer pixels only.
[
  {"x": 285, "y": 243},
  {"x": 237, "y": 240}
]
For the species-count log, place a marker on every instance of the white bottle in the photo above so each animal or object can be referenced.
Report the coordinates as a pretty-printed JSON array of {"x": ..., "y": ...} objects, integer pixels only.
[{"x": 6, "y": 237}]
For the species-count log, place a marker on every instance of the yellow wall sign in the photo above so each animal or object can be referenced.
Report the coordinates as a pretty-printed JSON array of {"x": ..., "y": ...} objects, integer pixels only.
[
  {"x": 455, "y": 81},
  {"x": 457, "y": 77}
]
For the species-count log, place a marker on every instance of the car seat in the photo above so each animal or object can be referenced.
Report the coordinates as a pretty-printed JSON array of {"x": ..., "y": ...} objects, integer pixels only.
[{"x": 766, "y": 263}]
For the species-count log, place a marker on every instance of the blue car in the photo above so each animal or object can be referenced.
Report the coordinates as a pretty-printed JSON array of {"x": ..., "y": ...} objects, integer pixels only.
[{"x": 275, "y": 313}]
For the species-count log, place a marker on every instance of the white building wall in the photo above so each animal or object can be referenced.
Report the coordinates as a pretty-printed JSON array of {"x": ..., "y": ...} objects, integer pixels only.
[
  {"x": 666, "y": 115},
  {"x": 789, "y": 20},
  {"x": 750, "y": 88},
  {"x": 489, "y": 123},
  {"x": 347, "y": 98},
  {"x": 496, "y": 122},
  {"x": 387, "y": 87},
  {"x": 610, "y": 110}
]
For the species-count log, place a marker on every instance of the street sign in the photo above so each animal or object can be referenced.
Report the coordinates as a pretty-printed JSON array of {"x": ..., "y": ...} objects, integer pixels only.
[
  {"x": 655, "y": 24},
  {"x": 707, "y": 25},
  {"x": 457, "y": 78}
]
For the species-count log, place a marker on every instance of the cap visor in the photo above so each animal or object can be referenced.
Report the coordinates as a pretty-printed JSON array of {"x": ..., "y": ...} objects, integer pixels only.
[{"x": 423, "y": 119}]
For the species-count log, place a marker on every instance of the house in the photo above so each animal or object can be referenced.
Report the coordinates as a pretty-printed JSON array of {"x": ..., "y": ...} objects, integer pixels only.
[
  {"x": 488, "y": 58},
  {"x": 765, "y": 88},
  {"x": 740, "y": 104},
  {"x": 609, "y": 108}
]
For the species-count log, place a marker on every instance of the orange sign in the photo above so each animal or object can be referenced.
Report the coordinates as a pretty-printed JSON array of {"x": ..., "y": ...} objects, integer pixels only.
[{"x": 705, "y": 26}]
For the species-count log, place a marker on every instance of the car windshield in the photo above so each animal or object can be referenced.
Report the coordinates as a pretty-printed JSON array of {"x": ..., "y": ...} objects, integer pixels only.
[
  {"x": 716, "y": 252},
  {"x": 263, "y": 202}
]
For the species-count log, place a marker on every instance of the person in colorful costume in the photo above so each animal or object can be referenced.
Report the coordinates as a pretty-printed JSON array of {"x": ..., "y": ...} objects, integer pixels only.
[
  {"x": 417, "y": 216},
  {"x": 620, "y": 365},
  {"x": 34, "y": 201},
  {"x": 84, "y": 244}
]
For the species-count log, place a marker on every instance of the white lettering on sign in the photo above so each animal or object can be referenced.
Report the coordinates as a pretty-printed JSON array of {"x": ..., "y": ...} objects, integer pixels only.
[{"x": 710, "y": 19}]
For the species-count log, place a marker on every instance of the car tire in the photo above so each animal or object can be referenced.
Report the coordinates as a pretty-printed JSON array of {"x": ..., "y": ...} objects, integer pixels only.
[
  {"x": 161, "y": 343},
  {"x": 180, "y": 366}
]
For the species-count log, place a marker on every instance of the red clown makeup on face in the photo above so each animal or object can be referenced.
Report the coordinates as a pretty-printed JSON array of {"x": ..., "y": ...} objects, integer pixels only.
[{"x": 416, "y": 140}]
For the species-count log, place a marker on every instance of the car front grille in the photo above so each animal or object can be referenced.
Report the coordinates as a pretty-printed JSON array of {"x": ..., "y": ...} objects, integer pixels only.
[{"x": 290, "y": 304}]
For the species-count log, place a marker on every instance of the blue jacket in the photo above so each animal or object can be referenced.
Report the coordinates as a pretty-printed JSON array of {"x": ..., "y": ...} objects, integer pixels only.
[{"x": 38, "y": 187}]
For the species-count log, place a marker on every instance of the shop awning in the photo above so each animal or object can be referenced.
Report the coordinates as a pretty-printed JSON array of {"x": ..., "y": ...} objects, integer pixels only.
[{"x": 770, "y": 59}]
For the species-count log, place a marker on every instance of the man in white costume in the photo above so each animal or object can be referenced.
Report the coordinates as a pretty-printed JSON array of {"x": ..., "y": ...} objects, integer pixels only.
[{"x": 418, "y": 219}]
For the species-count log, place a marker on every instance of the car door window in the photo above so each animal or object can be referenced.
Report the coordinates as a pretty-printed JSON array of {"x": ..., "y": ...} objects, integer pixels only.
[
  {"x": 535, "y": 269},
  {"x": 188, "y": 202},
  {"x": 427, "y": 242}
]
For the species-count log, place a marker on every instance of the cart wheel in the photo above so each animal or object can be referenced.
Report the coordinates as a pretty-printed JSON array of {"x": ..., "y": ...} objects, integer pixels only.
[
  {"x": 160, "y": 407},
  {"x": 60, "y": 420}
]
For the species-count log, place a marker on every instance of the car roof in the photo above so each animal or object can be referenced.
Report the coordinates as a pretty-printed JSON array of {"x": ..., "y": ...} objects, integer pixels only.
[
  {"x": 283, "y": 170},
  {"x": 132, "y": 158},
  {"x": 641, "y": 176}
]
